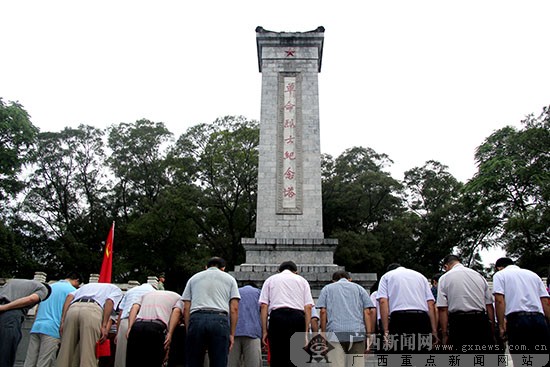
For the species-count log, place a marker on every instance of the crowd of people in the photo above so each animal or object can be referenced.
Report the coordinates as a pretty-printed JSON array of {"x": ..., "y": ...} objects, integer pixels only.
[{"x": 216, "y": 323}]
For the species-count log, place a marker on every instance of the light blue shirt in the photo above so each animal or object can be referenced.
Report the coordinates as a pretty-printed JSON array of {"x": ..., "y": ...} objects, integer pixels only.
[
  {"x": 48, "y": 317},
  {"x": 345, "y": 302}
]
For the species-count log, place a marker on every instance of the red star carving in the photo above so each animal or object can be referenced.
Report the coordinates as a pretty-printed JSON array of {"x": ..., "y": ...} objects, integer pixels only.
[{"x": 290, "y": 52}]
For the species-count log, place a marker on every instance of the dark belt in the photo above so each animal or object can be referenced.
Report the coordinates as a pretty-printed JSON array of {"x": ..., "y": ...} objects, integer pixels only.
[
  {"x": 211, "y": 312},
  {"x": 407, "y": 312},
  {"x": 87, "y": 300},
  {"x": 287, "y": 309},
  {"x": 523, "y": 313},
  {"x": 461, "y": 313},
  {"x": 154, "y": 321}
]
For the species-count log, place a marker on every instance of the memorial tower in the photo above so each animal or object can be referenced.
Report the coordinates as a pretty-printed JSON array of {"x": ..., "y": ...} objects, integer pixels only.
[{"x": 289, "y": 219}]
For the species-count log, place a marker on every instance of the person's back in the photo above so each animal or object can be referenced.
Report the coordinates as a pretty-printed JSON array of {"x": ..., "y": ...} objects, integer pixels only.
[
  {"x": 406, "y": 289},
  {"x": 521, "y": 287},
  {"x": 16, "y": 298},
  {"x": 345, "y": 302},
  {"x": 48, "y": 317},
  {"x": 248, "y": 333}
]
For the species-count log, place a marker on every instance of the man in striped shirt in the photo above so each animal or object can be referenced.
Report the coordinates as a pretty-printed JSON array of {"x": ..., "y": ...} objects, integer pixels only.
[{"x": 348, "y": 312}]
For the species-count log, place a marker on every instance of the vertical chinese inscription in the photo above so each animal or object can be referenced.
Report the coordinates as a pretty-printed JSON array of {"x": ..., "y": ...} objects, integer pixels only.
[
  {"x": 289, "y": 174},
  {"x": 289, "y": 142}
]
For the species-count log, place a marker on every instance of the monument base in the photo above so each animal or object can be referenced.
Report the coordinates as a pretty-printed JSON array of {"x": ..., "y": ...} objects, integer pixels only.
[{"x": 314, "y": 258}]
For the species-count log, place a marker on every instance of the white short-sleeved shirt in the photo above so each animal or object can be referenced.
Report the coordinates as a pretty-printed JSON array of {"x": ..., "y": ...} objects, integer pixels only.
[
  {"x": 522, "y": 289},
  {"x": 286, "y": 290},
  {"x": 405, "y": 289},
  {"x": 463, "y": 289},
  {"x": 99, "y": 292},
  {"x": 133, "y": 296}
]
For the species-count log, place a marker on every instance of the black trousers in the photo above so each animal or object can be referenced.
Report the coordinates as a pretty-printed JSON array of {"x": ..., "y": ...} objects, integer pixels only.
[
  {"x": 146, "y": 344},
  {"x": 470, "y": 328},
  {"x": 283, "y": 323},
  {"x": 409, "y": 332}
]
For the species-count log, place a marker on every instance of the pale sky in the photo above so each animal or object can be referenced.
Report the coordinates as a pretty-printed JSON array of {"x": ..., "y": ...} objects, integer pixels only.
[{"x": 416, "y": 80}]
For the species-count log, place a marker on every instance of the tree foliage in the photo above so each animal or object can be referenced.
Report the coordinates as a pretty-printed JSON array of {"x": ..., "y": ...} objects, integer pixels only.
[
  {"x": 178, "y": 202},
  {"x": 17, "y": 136},
  {"x": 513, "y": 181}
]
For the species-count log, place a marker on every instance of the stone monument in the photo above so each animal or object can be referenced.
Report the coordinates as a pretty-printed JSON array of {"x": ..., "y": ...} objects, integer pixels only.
[{"x": 289, "y": 221}]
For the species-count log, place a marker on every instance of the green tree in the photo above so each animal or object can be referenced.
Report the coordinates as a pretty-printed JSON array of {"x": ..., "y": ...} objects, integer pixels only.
[
  {"x": 360, "y": 201},
  {"x": 66, "y": 197},
  {"x": 513, "y": 178},
  {"x": 223, "y": 161},
  {"x": 17, "y": 137},
  {"x": 138, "y": 161},
  {"x": 433, "y": 196}
]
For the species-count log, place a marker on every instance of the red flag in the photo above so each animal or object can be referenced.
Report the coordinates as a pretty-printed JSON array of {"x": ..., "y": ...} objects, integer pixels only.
[{"x": 107, "y": 265}]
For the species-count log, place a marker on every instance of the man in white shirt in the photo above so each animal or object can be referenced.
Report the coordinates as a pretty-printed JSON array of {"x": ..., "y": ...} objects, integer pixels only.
[
  {"x": 286, "y": 298},
  {"x": 465, "y": 306},
  {"x": 406, "y": 309},
  {"x": 131, "y": 296},
  {"x": 85, "y": 322},
  {"x": 522, "y": 300}
]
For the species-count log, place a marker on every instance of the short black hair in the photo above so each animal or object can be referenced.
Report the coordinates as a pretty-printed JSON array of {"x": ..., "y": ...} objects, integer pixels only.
[
  {"x": 337, "y": 275},
  {"x": 216, "y": 261},
  {"x": 73, "y": 275},
  {"x": 504, "y": 262},
  {"x": 393, "y": 266},
  {"x": 436, "y": 276},
  {"x": 288, "y": 265},
  {"x": 450, "y": 258}
]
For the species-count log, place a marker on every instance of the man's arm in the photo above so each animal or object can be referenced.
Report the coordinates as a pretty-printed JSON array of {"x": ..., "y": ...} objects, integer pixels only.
[
  {"x": 263, "y": 316},
  {"x": 491, "y": 316},
  {"x": 66, "y": 305},
  {"x": 545, "y": 307},
  {"x": 384, "y": 314},
  {"x": 186, "y": 313},
  {"x": 105, "y": 323},
  {"x": 175, "y": 318},
  {"x": 500, "y": 305},
  {"x": 323, "y": 318},
  {"x": 21, "y": 302},
  {"x": 369, "y": 318},
  {"x": 132, "y": 317},
  {"x": 233, "y": 318},
  {"x": 431, "y": 313},
  {"x": 444, "y": 322},
  {"x": 307, "y": 311}
]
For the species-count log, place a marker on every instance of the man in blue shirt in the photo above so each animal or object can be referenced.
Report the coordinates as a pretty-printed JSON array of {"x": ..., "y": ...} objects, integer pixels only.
[
  {"x": 45, "y": 339},
  {"x": 248, "y": 334},
  {"x": 348, "y": 312}
]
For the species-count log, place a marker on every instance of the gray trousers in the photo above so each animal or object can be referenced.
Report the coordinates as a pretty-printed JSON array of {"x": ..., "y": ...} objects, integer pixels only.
[
  {"x": 246, "y": 352},
  {"x": 10, "y": 336},
  {"x": 42, "y": 351},
  {"x": 121, "y": 343}
]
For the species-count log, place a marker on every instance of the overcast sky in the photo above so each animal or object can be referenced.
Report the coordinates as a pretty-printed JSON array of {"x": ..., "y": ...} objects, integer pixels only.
[{"x": 416, "y": 80}]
